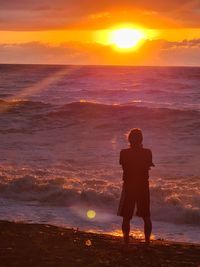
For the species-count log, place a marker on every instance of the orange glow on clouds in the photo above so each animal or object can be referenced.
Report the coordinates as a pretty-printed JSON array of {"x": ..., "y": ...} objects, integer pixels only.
[
  {"x": 124, "y": 43},
  {"x": 125, "y": 37},
  {"x": 84, "y": 32}
]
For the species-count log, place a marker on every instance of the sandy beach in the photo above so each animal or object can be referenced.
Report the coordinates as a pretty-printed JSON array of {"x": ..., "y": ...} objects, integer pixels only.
[{"x": 46, "y": 245}]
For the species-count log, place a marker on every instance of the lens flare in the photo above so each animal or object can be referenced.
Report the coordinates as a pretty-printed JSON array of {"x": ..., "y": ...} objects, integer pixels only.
[{"x": 91, "y": 214}]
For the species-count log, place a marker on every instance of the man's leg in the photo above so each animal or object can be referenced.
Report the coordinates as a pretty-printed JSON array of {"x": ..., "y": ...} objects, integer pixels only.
[
  {"x": 126, "y": 229},
  {"x": 147, "y": 229}
]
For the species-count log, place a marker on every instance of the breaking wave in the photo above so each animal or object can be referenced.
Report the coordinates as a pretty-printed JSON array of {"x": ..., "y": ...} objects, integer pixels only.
[{"x": 171, "y": 201}]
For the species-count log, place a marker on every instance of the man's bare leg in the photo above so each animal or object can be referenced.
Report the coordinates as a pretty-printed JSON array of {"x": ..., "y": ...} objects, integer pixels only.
[
  {"x": 126, "y": 230},
  {"x": 147, "y": 229}
]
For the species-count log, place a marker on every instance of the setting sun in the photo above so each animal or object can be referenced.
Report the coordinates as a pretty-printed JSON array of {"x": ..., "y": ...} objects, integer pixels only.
[{"x": 126, "y": 38}]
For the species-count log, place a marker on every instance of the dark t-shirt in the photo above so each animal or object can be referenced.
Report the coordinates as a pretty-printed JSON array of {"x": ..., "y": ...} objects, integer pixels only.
[{"x": 136, "y": 163}]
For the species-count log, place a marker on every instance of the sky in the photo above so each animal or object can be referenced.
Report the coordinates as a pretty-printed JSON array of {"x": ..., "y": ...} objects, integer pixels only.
[{"x": 78, "y": 32}]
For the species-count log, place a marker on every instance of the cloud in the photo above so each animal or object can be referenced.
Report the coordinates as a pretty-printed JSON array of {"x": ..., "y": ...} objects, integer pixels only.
[
  {"x": 158, "y": 52},
  {"x": 38, "y": 53},
  {"x": 187, "y": 44},
  {"x": 62, "y": 14},
  {"x": 95, "y": 6},
  {"x": 186, "y": 52}
]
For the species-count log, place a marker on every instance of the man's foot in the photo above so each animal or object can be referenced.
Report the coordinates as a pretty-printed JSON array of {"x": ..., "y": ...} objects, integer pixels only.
[
  {"x": 126, "y": 240},
  {"x": 147, "y": 242}
]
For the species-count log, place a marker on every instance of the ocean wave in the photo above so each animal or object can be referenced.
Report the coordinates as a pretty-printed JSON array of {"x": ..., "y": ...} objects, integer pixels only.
[
  {"x": 22, "y": 104},
  {"x": 23, "y": 116},
  {"x": 168, "y": 204},
  {"x": 173, "y": 204},
  {"x": 60, "y": 191},
  {"x": 38, "y": 105},
  {"x": 95, "y": 115}
]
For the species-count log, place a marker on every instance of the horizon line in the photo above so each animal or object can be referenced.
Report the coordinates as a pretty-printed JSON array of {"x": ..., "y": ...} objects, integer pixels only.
[{"x": 103, "y": 65}]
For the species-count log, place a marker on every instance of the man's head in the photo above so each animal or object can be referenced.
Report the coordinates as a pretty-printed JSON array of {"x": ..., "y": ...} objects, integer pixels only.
[{"x": 135, "y": 137}]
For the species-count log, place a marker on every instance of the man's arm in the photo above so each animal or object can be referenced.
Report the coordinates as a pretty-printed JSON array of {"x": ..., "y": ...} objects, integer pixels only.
[
  {"x": 150, "y": 159},
  {"x": 120, "y": 158},
  {"x": 121, "y": 162}
]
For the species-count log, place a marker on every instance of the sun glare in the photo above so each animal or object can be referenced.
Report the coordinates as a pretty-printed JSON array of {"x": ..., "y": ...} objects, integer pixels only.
[{"x": 126, "y": 38}]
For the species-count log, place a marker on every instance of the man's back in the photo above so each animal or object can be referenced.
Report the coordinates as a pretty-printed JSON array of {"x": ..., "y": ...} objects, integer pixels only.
[{"x": 136, "y": 163}]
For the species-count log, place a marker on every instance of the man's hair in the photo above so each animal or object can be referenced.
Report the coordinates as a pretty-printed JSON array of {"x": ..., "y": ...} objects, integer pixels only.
[{"x": 135, "y": 136}]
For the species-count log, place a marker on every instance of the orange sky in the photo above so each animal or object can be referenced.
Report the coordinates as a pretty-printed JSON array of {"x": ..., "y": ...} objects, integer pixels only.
[{"x": 67, "y": 32}]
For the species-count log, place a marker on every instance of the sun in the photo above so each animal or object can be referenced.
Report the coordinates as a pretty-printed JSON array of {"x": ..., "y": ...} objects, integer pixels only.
[{"x": 126, "y": 38}]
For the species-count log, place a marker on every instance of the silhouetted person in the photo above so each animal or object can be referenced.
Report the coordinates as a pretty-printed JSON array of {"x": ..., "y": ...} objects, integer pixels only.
[{"x": 136, "y": 162}]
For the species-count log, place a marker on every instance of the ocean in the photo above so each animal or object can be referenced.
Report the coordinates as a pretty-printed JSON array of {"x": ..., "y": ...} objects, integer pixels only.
[{"x": 62, "y": 129}]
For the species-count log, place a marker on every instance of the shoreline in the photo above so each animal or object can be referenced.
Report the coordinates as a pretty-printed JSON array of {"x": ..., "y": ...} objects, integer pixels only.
[{"x": 24, "y": 244}]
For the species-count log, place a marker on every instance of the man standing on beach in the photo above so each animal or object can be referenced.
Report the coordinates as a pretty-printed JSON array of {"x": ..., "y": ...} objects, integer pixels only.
[{"x": 136, "y": 162}]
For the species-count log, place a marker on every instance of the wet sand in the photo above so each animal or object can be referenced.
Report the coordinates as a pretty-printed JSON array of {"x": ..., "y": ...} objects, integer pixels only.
[{"x": 28, "y": 245}]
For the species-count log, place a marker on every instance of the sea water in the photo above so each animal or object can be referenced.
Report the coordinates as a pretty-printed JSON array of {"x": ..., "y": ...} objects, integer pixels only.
[{"x": 62, "y": 128}]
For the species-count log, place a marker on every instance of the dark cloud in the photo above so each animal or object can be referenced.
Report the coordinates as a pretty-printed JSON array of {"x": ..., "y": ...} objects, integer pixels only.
[
  {"x": 49, "y": 14},
  {"x": 195, "y": 43},
  {"x": 96, "y": 5}
]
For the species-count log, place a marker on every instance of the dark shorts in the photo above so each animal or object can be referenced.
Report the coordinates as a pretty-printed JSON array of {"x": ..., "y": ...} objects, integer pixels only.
[{"x": 132, "y": 197}]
